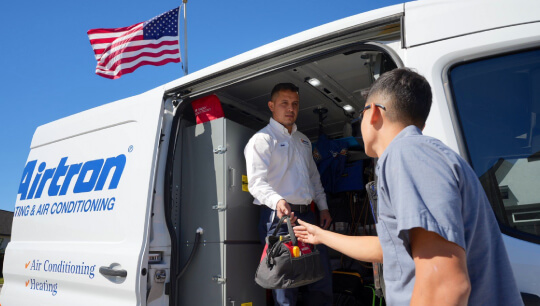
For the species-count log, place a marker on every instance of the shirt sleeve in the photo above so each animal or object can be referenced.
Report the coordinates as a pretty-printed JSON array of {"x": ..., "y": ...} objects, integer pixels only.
[
  {"x": 315, "y": 179},
  {"x": 258, "y": 152},
  {"x": 423, "y": 186}
]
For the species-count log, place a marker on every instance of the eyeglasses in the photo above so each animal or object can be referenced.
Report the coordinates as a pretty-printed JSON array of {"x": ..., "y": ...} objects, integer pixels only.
[{"x": 368, "y": 107}]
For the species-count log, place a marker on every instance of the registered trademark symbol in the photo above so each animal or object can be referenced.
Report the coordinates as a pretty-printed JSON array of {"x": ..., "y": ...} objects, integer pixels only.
[{"x": 130, "y": 149}]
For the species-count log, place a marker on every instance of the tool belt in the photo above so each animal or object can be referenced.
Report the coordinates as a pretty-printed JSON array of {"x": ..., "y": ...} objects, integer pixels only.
[
  {"x": 288, "y": 263},
  {"x": 300, "y": 208}
]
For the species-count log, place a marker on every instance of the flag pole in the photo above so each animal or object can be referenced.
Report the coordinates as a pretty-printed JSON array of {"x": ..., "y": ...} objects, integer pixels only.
[{"x": 185, "y": 39}]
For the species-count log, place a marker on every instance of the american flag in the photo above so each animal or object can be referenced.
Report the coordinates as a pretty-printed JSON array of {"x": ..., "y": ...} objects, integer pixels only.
[{"x": 122, "y": 50}]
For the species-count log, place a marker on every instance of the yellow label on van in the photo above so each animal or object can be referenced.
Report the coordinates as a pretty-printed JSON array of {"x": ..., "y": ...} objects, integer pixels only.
[
  {"x": 247, "y": 304},
  {"x": 244, "y": 187}
]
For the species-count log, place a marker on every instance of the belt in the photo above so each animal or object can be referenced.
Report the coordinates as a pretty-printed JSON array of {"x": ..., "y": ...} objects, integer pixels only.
[{"x": 301, "y": 208}]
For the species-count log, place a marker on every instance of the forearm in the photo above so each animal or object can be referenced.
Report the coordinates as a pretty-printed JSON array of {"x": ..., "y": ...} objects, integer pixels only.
[
  {"x": 436, "y": 292},
  {"x": 261, "y": 190},
  {"x": 441, "y": 276},
  {"x": 363, "y": 248},
  {"x": 258, "y": 155}
]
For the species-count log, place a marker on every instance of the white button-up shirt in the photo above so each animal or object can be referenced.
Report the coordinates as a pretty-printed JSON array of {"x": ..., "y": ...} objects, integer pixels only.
[{"x": 281, "y": 166}]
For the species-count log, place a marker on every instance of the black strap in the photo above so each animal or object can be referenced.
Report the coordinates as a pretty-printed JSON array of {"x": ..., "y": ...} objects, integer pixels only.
[
  {"x": 378, "y": 279},
  {"x": 274, "y": 242},
  {"x": 289, "y": 228},
  {"x": 371, "y": 189}
]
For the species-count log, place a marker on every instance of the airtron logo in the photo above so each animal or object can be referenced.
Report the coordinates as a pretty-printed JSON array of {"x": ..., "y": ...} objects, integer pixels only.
[{"x": 91, "y": 176}]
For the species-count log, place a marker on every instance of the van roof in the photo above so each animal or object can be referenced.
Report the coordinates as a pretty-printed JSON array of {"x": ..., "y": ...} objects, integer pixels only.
[
  {"x": 426, "y": 21},
  {"x": 434, "y": 20},
  {"x": 287, "y": 43}
]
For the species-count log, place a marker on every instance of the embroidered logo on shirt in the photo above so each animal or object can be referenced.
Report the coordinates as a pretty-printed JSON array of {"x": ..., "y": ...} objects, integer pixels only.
[{"x": 304, "y": 142}]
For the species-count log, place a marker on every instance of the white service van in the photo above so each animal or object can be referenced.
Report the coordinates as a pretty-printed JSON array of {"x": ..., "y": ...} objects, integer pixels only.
[{"x": 133, "y": 203}]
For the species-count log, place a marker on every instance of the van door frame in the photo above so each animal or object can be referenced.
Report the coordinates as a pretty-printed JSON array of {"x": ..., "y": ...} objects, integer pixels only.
[{"x": 182, "y": 95}]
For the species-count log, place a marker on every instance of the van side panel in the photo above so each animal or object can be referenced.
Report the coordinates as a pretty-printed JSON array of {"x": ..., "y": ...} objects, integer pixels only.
[
  {"x": 83, "y": 204},
  {"x": 434, "y": 60},
  {"x": 445, "y": 19}
]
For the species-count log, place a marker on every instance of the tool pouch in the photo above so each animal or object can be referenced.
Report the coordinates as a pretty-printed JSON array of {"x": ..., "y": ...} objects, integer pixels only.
[{"x": 287, "y": 263}]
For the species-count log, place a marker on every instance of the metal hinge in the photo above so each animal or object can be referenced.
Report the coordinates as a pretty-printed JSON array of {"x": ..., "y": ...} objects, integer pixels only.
[
  {"x": 220, "y": 150},
  {"x": 220, "y": 206},
  {"x": 218, "y": 279}
]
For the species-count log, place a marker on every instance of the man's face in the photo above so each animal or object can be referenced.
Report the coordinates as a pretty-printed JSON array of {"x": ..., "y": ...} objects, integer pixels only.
[{"x": 284, "y": 108}]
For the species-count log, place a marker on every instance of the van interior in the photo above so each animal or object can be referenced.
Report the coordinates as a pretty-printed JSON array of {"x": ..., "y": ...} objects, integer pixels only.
[{"x": 332, "y": 90}]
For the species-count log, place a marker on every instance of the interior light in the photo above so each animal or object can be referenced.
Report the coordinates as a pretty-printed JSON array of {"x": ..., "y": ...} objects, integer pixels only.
[
  {"x": 348, "y": 108},
  {"x": 313, "y": 82}
]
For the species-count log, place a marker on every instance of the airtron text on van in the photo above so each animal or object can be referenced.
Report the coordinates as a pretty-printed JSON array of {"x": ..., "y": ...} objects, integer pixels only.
[
  {"x": 67, "y": 207},
  {"x": 91, "y": 176}
]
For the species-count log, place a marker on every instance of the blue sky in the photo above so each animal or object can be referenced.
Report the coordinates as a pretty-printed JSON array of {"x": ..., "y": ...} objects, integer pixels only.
[{"x": 48, "y": 64}]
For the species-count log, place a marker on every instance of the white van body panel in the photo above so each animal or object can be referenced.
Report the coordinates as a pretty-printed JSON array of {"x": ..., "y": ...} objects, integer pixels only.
[
  {"x": 289, "y": 43},
  {"x": 433, "y": 20},
  {"x": 437, "y": 35},
  {"x": 434, "y": 60},
  {"x": 113, "y": 234}
]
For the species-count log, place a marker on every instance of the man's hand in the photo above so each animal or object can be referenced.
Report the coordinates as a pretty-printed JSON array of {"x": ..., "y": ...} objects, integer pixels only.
[
  {"x": 283, "y": 209},
  {"x": 326, "y": 219},
  {"x": 306, "y": 232}
]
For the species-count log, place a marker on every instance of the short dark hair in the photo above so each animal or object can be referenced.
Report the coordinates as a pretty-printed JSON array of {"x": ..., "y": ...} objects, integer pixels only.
[
  {"x": 408, "y": 93},
  {"x": 283, "y": 87}
]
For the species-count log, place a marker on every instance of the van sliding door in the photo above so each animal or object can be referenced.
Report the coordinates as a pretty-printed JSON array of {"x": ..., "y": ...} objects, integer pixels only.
[{"x": 81, "y": 217}]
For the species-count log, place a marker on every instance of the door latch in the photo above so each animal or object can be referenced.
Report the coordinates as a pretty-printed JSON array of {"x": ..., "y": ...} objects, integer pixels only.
[
  {"x": 218, "y": 279},
  {"x": 220, "y": 150},
  {"x": 220, "y": 206}
]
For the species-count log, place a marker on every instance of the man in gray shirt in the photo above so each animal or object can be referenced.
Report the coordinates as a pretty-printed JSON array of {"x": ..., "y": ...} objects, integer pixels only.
[{"x": 437, "y": 234}]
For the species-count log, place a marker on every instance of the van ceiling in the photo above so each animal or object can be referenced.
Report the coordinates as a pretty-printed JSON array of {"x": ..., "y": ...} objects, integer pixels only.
[{"x": 344, "y": 78}]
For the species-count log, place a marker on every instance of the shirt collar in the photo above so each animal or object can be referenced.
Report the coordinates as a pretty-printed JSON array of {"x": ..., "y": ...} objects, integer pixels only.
[
  {"x": 411, "y": 130},
  {"x": 408, "y": 131},
  {"x": 279, "y": 127}
]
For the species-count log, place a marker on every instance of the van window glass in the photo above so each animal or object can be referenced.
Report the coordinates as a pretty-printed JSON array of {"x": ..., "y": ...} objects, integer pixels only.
[{"x": 498, "y": 104}]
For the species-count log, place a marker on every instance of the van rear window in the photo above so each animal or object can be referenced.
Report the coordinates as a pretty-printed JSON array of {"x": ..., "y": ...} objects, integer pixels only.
[{"x": 498, "y": 104}]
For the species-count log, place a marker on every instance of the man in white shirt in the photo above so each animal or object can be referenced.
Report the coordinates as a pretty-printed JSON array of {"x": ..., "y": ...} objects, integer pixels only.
[{"x": 283, "y": 179}]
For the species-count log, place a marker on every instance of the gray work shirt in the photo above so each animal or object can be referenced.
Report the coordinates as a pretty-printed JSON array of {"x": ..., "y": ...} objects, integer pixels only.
[{"x": 423, "y": 183}]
